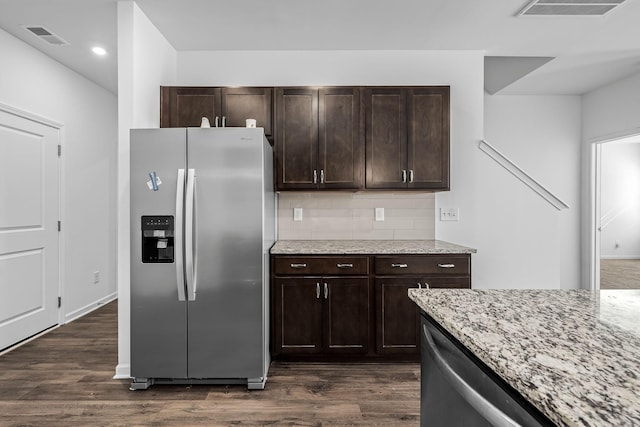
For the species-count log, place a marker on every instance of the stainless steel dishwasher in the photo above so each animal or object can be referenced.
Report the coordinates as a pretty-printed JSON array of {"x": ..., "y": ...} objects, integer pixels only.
[{"x": 457, "y": 389}]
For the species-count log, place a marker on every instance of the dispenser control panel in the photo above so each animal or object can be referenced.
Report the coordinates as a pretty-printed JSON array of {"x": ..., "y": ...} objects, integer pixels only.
[{"x": 157, "y": 238}]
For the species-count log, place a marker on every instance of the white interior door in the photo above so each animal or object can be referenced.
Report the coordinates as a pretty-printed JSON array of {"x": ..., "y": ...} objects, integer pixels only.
[{"x": 29, "y": 209}]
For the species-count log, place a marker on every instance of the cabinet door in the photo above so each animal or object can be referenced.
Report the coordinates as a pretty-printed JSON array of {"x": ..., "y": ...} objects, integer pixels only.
[
  {"x": 341, "y": 149},
  {"x": 186, "y": 106},
  {"x": 397, "y": 317},
  {"x": 428, "y": 138},
  {"x": 243, "y": 103},
  {"x": 296, "y": 139},
  {"x": 298, "y": 315},
  {"x": 447, "y": 282},
  {"x": 386, "y": 141},
  {"x": 346, "y": 315}
]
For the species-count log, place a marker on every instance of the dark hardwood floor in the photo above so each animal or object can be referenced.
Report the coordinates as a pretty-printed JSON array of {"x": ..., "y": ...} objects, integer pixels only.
[{"x": 64, "y": 378}]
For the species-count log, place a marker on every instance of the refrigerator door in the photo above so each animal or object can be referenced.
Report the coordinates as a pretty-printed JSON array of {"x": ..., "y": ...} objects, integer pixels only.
[
  {"x": 226, "y": 307},
  {"x": 158, "y": 305}
]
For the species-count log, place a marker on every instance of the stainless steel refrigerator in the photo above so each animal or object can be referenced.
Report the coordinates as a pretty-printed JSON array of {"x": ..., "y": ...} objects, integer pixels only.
[{"x": 202, "y": 224}]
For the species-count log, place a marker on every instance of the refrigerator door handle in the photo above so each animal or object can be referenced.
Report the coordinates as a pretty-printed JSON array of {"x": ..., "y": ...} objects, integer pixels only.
[
  {"x": 190, "y": 238},
  {"x": 178, "y": 235}
]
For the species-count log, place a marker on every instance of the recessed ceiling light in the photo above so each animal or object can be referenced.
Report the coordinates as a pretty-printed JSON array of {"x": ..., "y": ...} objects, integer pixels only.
[{"x": 98, "y": 50}]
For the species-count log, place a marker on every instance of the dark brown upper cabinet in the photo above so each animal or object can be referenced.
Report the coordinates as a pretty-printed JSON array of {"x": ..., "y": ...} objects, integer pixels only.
[
  {"x": 318, "y": 139},
  {"x": 407, "y": 137},
  {"x": 185, "y": 106}
]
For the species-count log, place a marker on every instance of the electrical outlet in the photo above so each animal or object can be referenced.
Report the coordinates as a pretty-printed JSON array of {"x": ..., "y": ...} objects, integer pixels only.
[
  {"x": 449, "y": 214},
  {"x": 96, "y": 277},
  {"x": 379, "y": 213},
  {"x": 297, "y": 214}
]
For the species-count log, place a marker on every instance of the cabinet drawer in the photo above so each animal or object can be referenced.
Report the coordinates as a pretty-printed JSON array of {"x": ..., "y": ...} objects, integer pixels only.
[
  {"x": 423, "y": 264},
  {"x": 321, "y": 265}
]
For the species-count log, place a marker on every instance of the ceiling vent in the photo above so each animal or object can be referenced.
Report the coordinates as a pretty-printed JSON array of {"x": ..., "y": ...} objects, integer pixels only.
[
  {"x": 569, "y": 7},
  {"x": 45, "y": 35}
]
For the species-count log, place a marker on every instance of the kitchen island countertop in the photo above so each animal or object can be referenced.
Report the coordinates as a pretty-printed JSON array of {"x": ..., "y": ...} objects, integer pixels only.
[
  {"x": 366, "y": 247},
  {"x": 574, "y": 354}
]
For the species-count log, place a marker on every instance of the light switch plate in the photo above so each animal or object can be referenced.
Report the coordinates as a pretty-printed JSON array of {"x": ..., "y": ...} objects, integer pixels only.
[
  {"x": 297, "y": 214},
  {"x": 379, "y": 214},
  {"x": 449, "y": 214}
]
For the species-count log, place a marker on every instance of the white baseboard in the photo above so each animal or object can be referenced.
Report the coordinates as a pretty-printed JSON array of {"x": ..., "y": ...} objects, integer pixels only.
[
  {"x": 123, "y": 372},
  {"x": 620, "y": 257},
  {"x": 70, "y": 317}
]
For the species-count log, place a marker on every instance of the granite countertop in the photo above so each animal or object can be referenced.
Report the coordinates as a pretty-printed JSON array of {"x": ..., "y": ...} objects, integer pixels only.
[
  {"x": 574, "y": 354},
  {"x": 357, "y": 247}
]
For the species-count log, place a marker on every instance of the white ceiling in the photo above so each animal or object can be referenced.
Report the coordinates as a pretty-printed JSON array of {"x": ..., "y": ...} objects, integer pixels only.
[{"x": 588, "y": 51}]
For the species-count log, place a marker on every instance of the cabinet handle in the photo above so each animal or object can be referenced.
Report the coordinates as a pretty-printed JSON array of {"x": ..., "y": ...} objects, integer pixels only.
[
  {"x": 404, "y": 175},
  {"x": 224, "y": 122},
  {"x": 217, "y": 120},
  {"x": 317, "y": 290},
  {"x": 301, "y": 265},
  {"x": 411, "y": 175},
  {"x": 315, "y": 176},
  {"x": 446, "y": 265},
  {"x": 326, "y": 291},
  {"x": 321, "y": 176},
  {"x": 399, "y": 265},
  {"x": 344, "y": 265}
]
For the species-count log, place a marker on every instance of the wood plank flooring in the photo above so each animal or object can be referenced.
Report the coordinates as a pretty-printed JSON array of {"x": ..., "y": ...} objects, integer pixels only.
[
  {"x": 64, "y": 378},
  {"x": 620, "y": 274}
]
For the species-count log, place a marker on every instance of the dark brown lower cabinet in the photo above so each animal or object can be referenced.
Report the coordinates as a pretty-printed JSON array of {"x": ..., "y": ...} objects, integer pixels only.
[
  {"x": 298, "y": 315},
  {"x": 343, "y": 307},
  {"x": 397, "y": 317},
  {"x": 321, "y": 315}
]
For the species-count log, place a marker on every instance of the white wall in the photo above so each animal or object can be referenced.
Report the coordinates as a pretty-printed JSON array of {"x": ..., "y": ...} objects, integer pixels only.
[
  {"x": 32, "y": 82},
  {"x": 620, "y": 200},
  {"x": 609, "y": 112},
  {"x": 145, "y": 62},
  {"x": 528, "y": 243}
]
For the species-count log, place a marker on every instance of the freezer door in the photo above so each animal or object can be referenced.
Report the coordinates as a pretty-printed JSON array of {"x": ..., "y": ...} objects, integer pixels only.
[
  {"x": 158, "y": 316},
  {"x": 226, "y": 302}
]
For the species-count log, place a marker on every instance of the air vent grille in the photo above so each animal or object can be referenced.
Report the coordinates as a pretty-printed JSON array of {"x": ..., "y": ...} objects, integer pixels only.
[
  {"x": 45, "y": 35},
  {"x": 569, "y": 7}
]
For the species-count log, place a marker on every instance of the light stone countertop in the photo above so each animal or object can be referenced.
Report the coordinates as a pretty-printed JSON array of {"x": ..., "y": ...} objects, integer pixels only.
[
  {"x": 574, "y": 354},
  {"x": 366, "y": 247}
]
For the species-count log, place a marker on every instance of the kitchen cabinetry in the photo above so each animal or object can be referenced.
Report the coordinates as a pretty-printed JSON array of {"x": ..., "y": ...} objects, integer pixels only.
[
  {"x": 318, "y": 139},
  {"x": 320, "y": 305},
  {"x": 185, "y": 106},
  {"x": 397, "y": 318},
  {"x": 407, "y": 137},
  {"x": 356, "y": 306}
]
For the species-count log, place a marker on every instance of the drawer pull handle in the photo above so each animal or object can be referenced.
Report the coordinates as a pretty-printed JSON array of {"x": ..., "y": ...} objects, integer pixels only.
[
  {"x": 446, "y": 265},
  {"x": 326, "y": 291},
  {"x": 301, "y": 265},
  {"x": 317, "y": 290},
  {"x": 399, "y": 265},
  {"x": 344, "y": 265}
]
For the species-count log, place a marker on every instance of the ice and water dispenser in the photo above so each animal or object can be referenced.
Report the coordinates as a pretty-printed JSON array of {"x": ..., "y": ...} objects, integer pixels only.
[{"x": 157, "y": 238}]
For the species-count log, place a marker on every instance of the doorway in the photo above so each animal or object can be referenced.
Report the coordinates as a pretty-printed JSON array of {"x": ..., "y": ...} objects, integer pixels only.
[
  {"x": 29, "y": 236},
  {"x": 617, "y": 213}
]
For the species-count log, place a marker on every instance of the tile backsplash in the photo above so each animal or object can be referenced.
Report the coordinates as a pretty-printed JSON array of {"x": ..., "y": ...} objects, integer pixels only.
[{"x": 343, "y": 216}]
